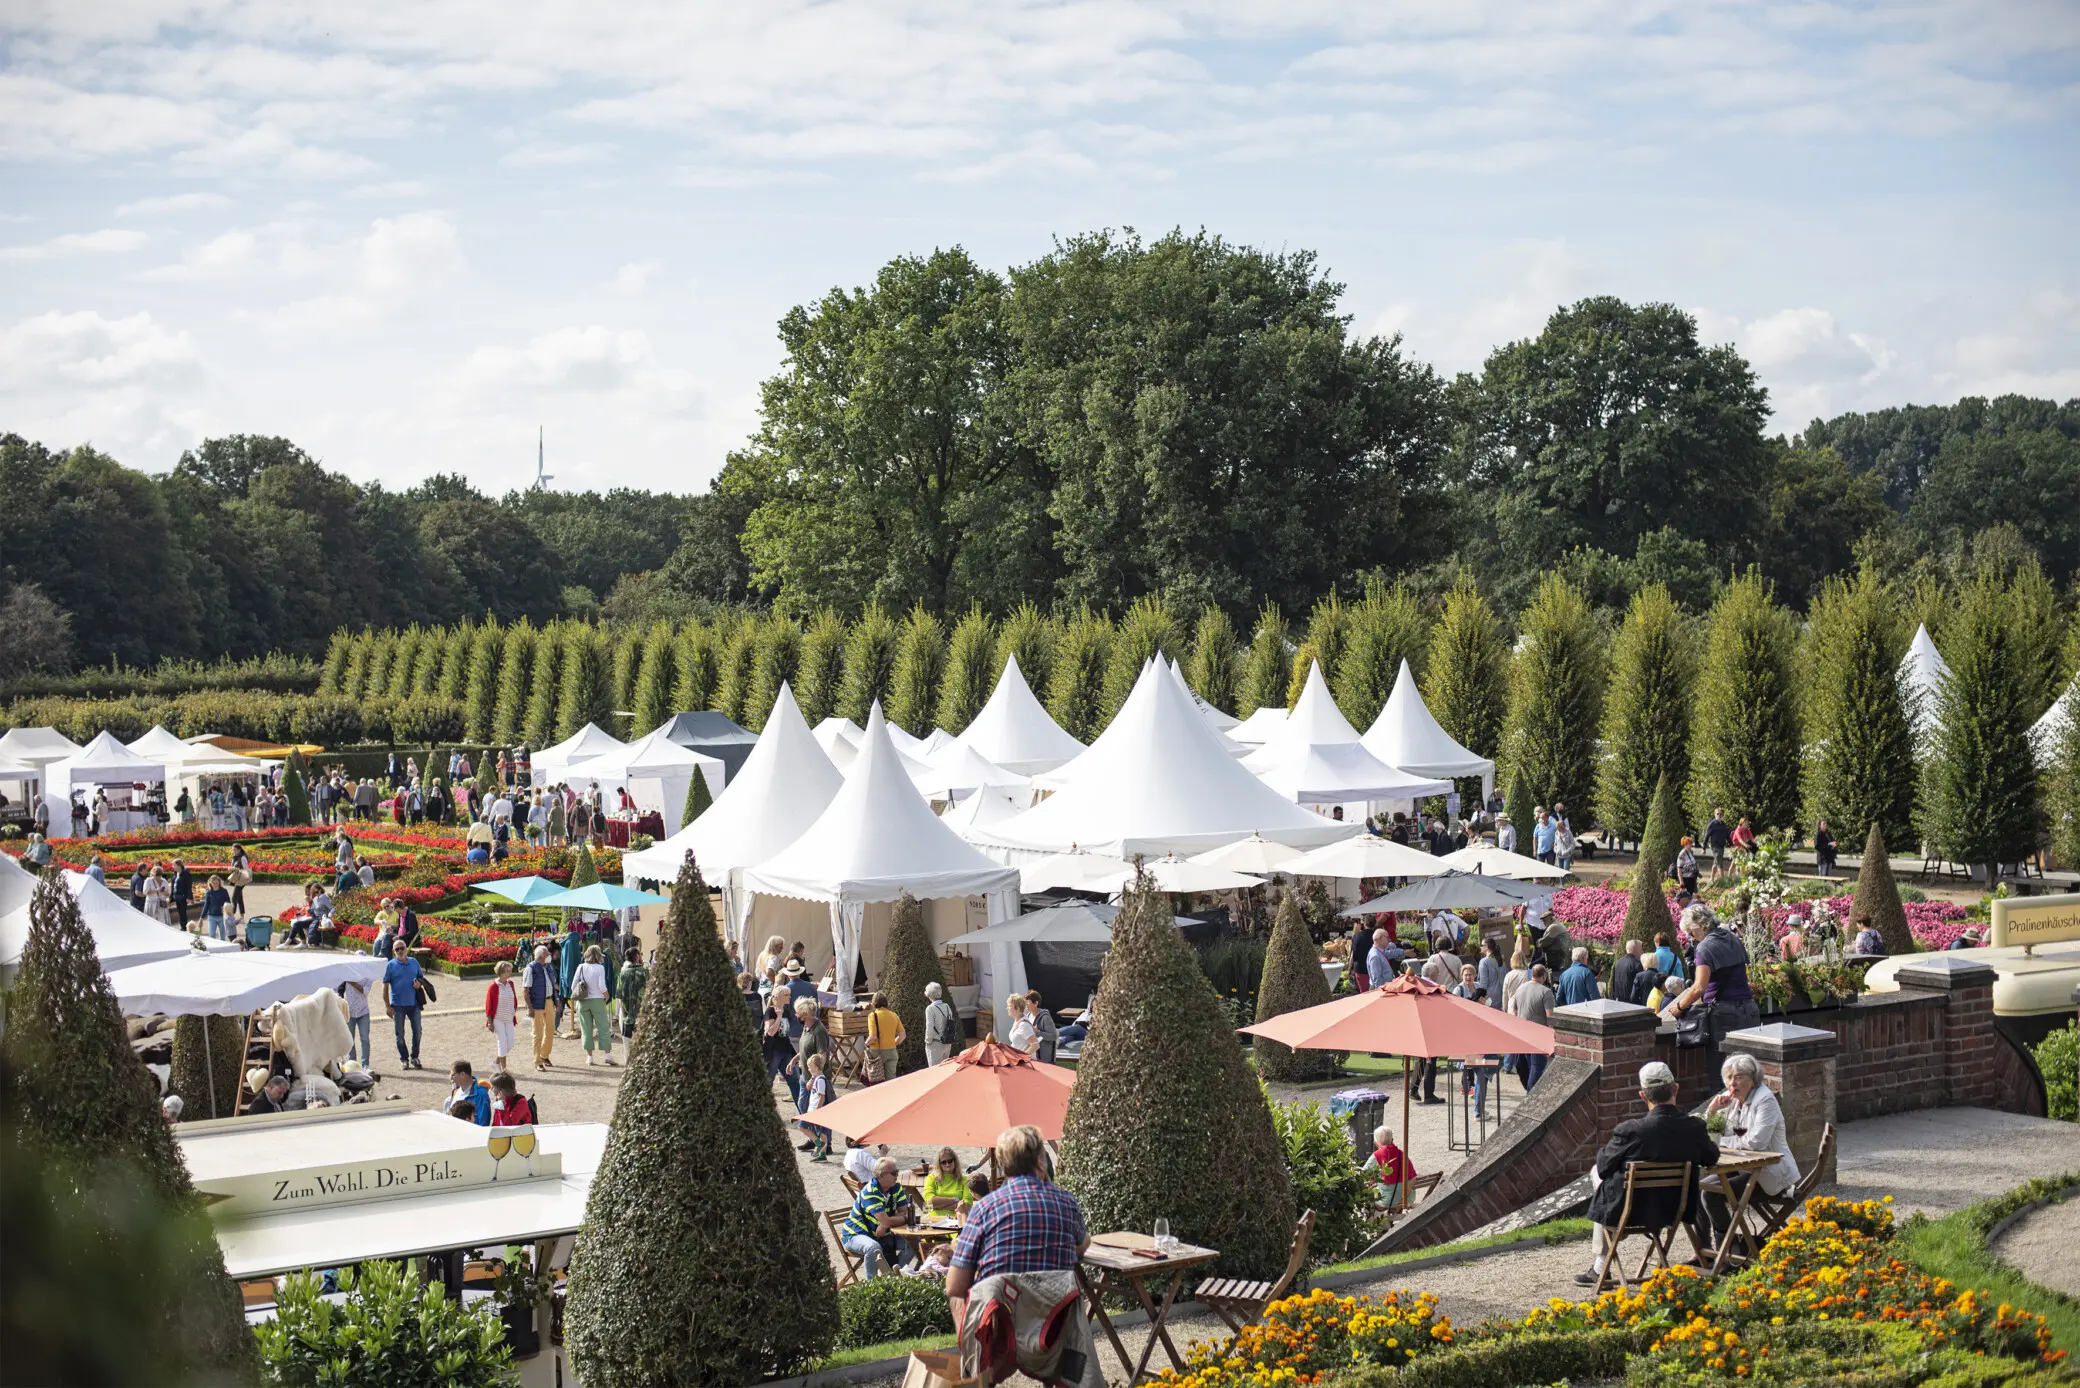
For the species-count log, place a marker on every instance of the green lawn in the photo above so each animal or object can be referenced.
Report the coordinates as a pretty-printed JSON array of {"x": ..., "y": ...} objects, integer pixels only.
[{"x": 1955, "y": 1247}]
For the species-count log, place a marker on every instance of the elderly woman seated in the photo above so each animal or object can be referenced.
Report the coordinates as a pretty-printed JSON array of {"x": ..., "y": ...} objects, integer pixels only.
[
  {"x": 1754, "y": 1123},
  {"x": 1390, "y": 1166}
]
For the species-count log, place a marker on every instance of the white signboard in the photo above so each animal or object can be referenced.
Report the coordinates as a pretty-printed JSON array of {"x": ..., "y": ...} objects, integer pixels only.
[{"x": 506, "y": 1155}]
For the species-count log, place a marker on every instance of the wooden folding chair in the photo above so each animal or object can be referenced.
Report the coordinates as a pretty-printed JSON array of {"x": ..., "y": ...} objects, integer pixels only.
[
  {"x": 852, "y": 1261},
  {"x": 1640, "y": 1176},
  {"x": 1240, "y": 1303},
  {"x": 1417, "y": 1190},
  {"x": 1773, "y": 1210},
  {"x": 850, "y": 1182}
]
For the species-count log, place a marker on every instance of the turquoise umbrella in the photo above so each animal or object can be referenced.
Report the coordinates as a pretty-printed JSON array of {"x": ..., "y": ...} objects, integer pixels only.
[
  {"x": 600, "y": 896},
  {"x": 523, "y": 891}
]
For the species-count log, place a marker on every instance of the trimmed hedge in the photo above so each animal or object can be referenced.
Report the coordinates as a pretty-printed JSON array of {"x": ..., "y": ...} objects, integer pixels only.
[
  {"x": 892, "y": 1308},
  {"x": 328, "y": 720},
  {"x": 274, "y": 672},
  {"x": 908, "y": 964},
  {"x": 1292, "y": 981},
  {"x": 1519, "y": 1359}
]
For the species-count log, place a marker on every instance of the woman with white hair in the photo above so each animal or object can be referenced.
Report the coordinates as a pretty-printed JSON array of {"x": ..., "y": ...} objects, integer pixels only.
[
  {"x": 1754, "y": 1123},
  {"x": 941, "y": 1025},
  {"x": 1719, "y": 982}
]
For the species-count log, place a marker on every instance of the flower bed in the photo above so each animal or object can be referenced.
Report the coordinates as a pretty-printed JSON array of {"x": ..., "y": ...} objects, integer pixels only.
[
  {"x": 1827, "y": 1302},
  {"x": 1596, "y": 915}
]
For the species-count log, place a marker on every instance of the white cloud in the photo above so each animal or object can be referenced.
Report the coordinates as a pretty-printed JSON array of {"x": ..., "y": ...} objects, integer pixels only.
[
  {"x": 541, "y": 154},
  {"x": 581, "y": 359},
  {"x": 633, "y": 278},
  {"x": 87, "y": 352},
  {"x": 410, "y": 252},
  {"x": 111, "y": 241},
  {"x": 1810, "y": 364},
  {"x": 178, "y": 202},
  {"x": 2035, "y": 351}
]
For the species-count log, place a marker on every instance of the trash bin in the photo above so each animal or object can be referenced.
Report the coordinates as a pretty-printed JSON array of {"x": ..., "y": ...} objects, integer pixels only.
[{"x": 1363, "y": 1110}]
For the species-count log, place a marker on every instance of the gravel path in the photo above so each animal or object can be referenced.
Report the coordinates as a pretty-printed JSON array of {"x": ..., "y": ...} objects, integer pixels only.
[{"x": 2040, "y": 1246}]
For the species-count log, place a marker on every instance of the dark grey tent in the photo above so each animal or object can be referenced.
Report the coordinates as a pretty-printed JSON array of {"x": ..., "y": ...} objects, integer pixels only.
[
  {"x": 716, "y": 735},
  {"x": 1450, "y": 891}
]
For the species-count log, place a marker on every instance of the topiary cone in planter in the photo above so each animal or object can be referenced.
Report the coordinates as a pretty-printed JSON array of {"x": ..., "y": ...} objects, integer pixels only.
[
  {"x": 294, "y": 788},
  {"x": 1646, "y": 911},
  {"x": 193, "y": 1057},
  {"x": 697, "y": 799},
  {"x": 700, "y": 1261},
  {"x": 1877, "y": 896},
  {"x": 1167, "y": 1120},
  {"x": 908, "y": 965},
  {"x": 1292, "y": 980}
]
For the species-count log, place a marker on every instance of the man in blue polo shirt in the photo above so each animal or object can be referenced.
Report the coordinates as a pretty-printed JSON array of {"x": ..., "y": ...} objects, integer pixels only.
[
  {"x": 401, "y": 988},
  {"x": 881, "y": 1206},
  {"x": 1543, "y": 832}
]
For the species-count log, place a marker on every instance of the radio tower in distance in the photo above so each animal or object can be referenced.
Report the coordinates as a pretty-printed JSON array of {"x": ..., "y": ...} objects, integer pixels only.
[{"x": 542, "y": 476}]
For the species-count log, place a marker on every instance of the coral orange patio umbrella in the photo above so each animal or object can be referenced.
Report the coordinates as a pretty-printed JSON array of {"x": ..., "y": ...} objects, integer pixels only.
[
  {"x": 1408, "y": 1016},
  {"x": 965, "y": 1100}
]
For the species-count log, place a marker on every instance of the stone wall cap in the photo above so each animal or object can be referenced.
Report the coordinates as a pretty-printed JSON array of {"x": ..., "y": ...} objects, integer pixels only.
[
  {"x": 1945, "y": 971},
  {"x": 1784, "y": 1041},
  {"x": 1604, "y": 1017}
]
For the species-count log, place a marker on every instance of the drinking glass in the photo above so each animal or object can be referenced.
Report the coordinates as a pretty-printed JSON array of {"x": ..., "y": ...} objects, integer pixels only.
[
  {"x": 1164, "y": 1243},
  {"x": 523, "y": 1145},
  {"x": 498, "y": 1145}
]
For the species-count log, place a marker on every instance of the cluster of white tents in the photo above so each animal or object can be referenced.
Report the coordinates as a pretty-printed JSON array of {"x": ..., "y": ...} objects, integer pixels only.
[
  {"x": 1922, "y": 671},
  {"x": 655, "y": 770},
  {"x": 44, "y": 762},
  {"x": 821, "y": 831}
]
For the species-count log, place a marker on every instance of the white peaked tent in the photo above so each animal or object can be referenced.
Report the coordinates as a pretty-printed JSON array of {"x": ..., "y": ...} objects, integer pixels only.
[
  {"x": 164, "y": 746},
  {"x": 1260, "y": 727},
  {"x": 657, "y": 771},
  {"x": 2052, "y": 726},
  {"x": 123, "y": 935},
  {"x": 1222, "y": 722},
  {"x": 782, "y": 787},
  {"x": 937, "y": 741},
  {"x": 1315, "y": 758},
  {"x": 1158, "y": 780},
  {"x": 553, "y": 764},
  {"x": 1014, "y": 731},
  {"x": 876, "y": 840},
  {"x": 102, "y": 762},
  {"x": 1212, "y": 716},
  {"x": 36, "y": 746},
  {"x": 839, "y": 739},
  {"x": 1406, "y": 737},
  {"x": 914, "y": 747},
  {"x": 1922, "y": 671},
  {"x": 957, "y": 769},
  {"x": 990, "y": 805}
]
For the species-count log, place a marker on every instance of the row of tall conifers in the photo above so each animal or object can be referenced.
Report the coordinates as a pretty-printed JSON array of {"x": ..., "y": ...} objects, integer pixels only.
[{"x": 1774, "y": 715}]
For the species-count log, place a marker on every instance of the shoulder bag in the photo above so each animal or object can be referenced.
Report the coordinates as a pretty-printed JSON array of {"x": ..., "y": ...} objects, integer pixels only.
[{"x": 1694, "y": 1027}]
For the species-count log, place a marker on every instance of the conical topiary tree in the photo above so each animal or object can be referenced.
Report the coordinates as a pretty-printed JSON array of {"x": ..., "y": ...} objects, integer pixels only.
[
  {"x": 778, "y": 662},
  {"x": 971, "y": 671},
  {"x": 1748, "y": 748},
  {"x": 1148, "y": 630},
  {"x": 1292, "y": 980},
  {"x": 700, "y": 1261},
  {"x": 1329, "y": 633},
  {"x": 652, "y": 704},
  {"x": 1304, "y": 660},
  {"x": 333, "y": 671},
  {"x": 584, "y": 872},
  {"x": 913, "y": 695},
  {"x": 1857, "y": 721},
  {"x": 515, "y": 671},
  {"x": 1980, "y": 804},
  {"x": 2062, "y": 782},
  {"x": 908, "y": 964},
  {"x": 1556, "y": 699},
  {"x": 698, "y": 798},
  {"x": 198, "y": 1044},
  {"x": 1466, "y": 683},
  {"x": 1164, "y": 1096},
  {"x": 870, "y": 663},
  {"x": 584, "y": 694},
  {"x": 1215, "y": 662},
  {"x": 695, "y": 662},
  {"x": 1877, "y": 897},
  {"x": 1030, "y": 635},
  {"x": 624, "y": 662},
  {"x": 295, "y": 789},
  {"x": 1646, "y": 714},
  {"x": 376, "y": 679},
  {"x": 1521, "y": 808},
  {"x": 1267, "y": 665},
  {"x": 821, "y": 682},
  {"x": 737, "y": 668},
  {"x": 458, "y": 648},
  {"x": 1646, "y": 912},
  {"x": 353, "y": 677},
  {"x": 81, "y": 1097},
  {"x": 544, "y": 681},
  {"x": 1076, "y": 695}
]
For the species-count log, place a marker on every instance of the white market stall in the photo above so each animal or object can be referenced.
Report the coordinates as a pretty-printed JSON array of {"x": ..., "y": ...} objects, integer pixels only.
[
  {"x": 123, "y": 935},
  {"x": 875, "y": 841},
  {"x": 195, "y": 766},
  {"x": 559, "y": 763},
  {"x": 656, "y": 772},
  {"x": 785, "y": 784},
  {"x": 1316, "y": 758},
  {"x": 958, "y": 770},
  {"x": 38, "y": 747},
  {"x": 125, "y": 776},
  {"x": 237, "y": 982},
  {"x": 21, "y": 783},
  {"x": 1157, "y": 780},
  {"x": 1407, "y": 737},
  {"x": 1015, "y": 732}
]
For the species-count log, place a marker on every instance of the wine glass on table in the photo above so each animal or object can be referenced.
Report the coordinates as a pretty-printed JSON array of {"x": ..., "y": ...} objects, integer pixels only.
[{"x": 1164, "y": 1242}]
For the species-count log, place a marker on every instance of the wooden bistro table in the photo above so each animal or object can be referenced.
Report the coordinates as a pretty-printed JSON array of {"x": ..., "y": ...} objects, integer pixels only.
[
  {"x": 929, "y": 1228},
  {"x": 1737, "y": 1231},
  {"x": 1117, "y": 1263}
]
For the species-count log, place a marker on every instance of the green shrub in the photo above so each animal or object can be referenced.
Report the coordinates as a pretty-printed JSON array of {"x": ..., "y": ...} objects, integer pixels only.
[
  {"x": 913, "y": 696},
  {"x": 1877, "y": 895},
  {"x": 2058, "y": 1057},
  {"x": 908, "y": 964},
  {"x": 778, "y": 657},
  {"x": 1216, "y": 659},
  {"x": 195, "y": 1054},
  {"x": 870, "y": 664},
  {"x": 1076, "y": 692},
  {"x": 1579, "y": 1356},
  {"x": 1326, "y": 1178},
  {"x": 892, "y": 1308},
  {"x": 821, "y": 682},
  {"x": 391, "y": 1329},
  {"x": 1147, "y": 631},
  {"x": 1646, "y": 909},
  {"x": 1292, "y": 980},
  {"x": 1264, "y": 665},
  {"x": 700, "y": 1260},
  {"x": 1646, "y": 731},
  {"x": 327, "y": 720},
  {"x": 426, "y": 718},
  {"x": 971, "y": 671},
  {"x": 1235, "y": 968},
  {"x": 1164, "y": 1096}
]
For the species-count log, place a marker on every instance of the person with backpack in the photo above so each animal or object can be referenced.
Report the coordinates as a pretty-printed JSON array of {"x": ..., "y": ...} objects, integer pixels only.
[
  {"x": 509, "y": 1107},
  {"x": 628, "y": 989},
  {"x": 544, "y": 988},
  {"x": 941, "y": 1025}
]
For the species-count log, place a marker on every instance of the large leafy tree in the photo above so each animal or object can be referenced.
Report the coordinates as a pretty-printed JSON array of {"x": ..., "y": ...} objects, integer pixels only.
[
  {"x": 1980, "y": 801},
  {"x": 700, "y": 1261},
  {"x": 1613, "y": 422},
  {"x": 1747, "y": 750},
  {"x": 1857, "y": 724},
  {"x": 2029, "y": 479},
  {"x": 1556, "y": 701},
  {"x": 1646, "y": 714}
]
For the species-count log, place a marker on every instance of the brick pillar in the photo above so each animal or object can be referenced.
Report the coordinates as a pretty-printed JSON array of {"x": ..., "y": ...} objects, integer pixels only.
[
  {"x": 1798, "y": 1065},
  {"x": 1617, "y": 1038},
  {"x": 1968, "y": 1037}
]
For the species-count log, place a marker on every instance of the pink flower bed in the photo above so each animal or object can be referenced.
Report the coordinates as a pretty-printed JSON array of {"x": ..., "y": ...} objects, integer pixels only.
[{"x": 1597, "y": 915}]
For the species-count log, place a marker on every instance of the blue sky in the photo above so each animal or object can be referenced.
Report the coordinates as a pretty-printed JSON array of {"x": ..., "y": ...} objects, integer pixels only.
[{"x": 406, "y": 235}]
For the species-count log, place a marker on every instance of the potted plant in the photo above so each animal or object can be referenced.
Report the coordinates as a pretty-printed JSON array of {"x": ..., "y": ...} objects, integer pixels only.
[
  {"x": 1767, "y": 981},
  {"x": 517, "y": 1290}
]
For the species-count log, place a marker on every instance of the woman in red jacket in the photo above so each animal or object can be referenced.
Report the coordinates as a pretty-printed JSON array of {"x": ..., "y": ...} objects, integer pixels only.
[
  {"x": 1390, "y": 1166},
  {"x": 509, "y": 1108},
  {"x": 501, "y": 1009}
]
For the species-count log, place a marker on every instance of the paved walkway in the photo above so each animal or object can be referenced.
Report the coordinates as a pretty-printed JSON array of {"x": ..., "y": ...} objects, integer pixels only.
[
  {"x": 1941, "y": 1160},
  {"x": 2040, "y": 1246}
]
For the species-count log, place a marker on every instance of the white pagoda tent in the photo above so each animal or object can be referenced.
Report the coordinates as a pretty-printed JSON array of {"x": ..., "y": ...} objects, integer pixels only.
[
  {"x": 2046, "y": 732},
  {"x": 196, "y": 764},
  {"x": 1316, "y": 758},
  {"x": 1407, "y": 737},
  {"x": 102, "y": 762},
  {"x": 123, "y": 935},
  {"x": 1223, "y": 722},
  {"x": 990, "y": 805},
  {"x": 36, "y": 746},
  {"x": 957, "y": 769},
  {"x": 783, "y": 786},
  {"x": 1922, "y": 671},
  {"x": 1014, "y": 731},
  {"x": 875, "y": 841},
  {"x": 1260, "y": 727},
  {"x": 657, "y": 773},
  {"x": 839, "y": 739},
  {"x": 558, "y": 763},
  {"x": 1157, "y": 780}
]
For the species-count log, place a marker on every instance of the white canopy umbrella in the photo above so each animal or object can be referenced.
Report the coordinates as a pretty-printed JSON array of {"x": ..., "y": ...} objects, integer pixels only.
[
  {"x": 1014, "y": 731},
  {"x": 233, "y": 984},
  {"x": 36, "y": 746},
  {"x": 1405, "y": 736},
  {"x": 1497, "y": 862},
  {"x": 1253, "y": 854},
  {"x": 1260, "y": 727},
  {"x": 1922, "y": 671},
  {"x": 553, "y": 764},
  {"x": 1074, "y": 871},
  {"x": 876, "y": 841},
  {"x": 783, "y": 786},
  {"x": 1315, "y": 757},
  {"x": 657, "y": 772},
  {"x": 1158, "y": 780},
  {"x": 1366, "y": 857},
  {"x": 1174, "y": 874},
  {"x": 123, "y": 935}
]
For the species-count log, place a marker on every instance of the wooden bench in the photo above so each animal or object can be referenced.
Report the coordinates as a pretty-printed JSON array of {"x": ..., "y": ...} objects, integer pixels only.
[
  {"x": 1413, "y": 1192},
  {"x": 1240, "y": 1302}
]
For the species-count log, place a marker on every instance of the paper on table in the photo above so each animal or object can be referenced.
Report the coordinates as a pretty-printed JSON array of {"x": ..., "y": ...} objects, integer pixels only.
[{"x": 1126, "y": 1239}]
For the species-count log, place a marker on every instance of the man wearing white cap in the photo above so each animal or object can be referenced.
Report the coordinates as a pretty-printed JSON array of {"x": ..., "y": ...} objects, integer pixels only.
[{"x": 1663, "y": 1134}]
